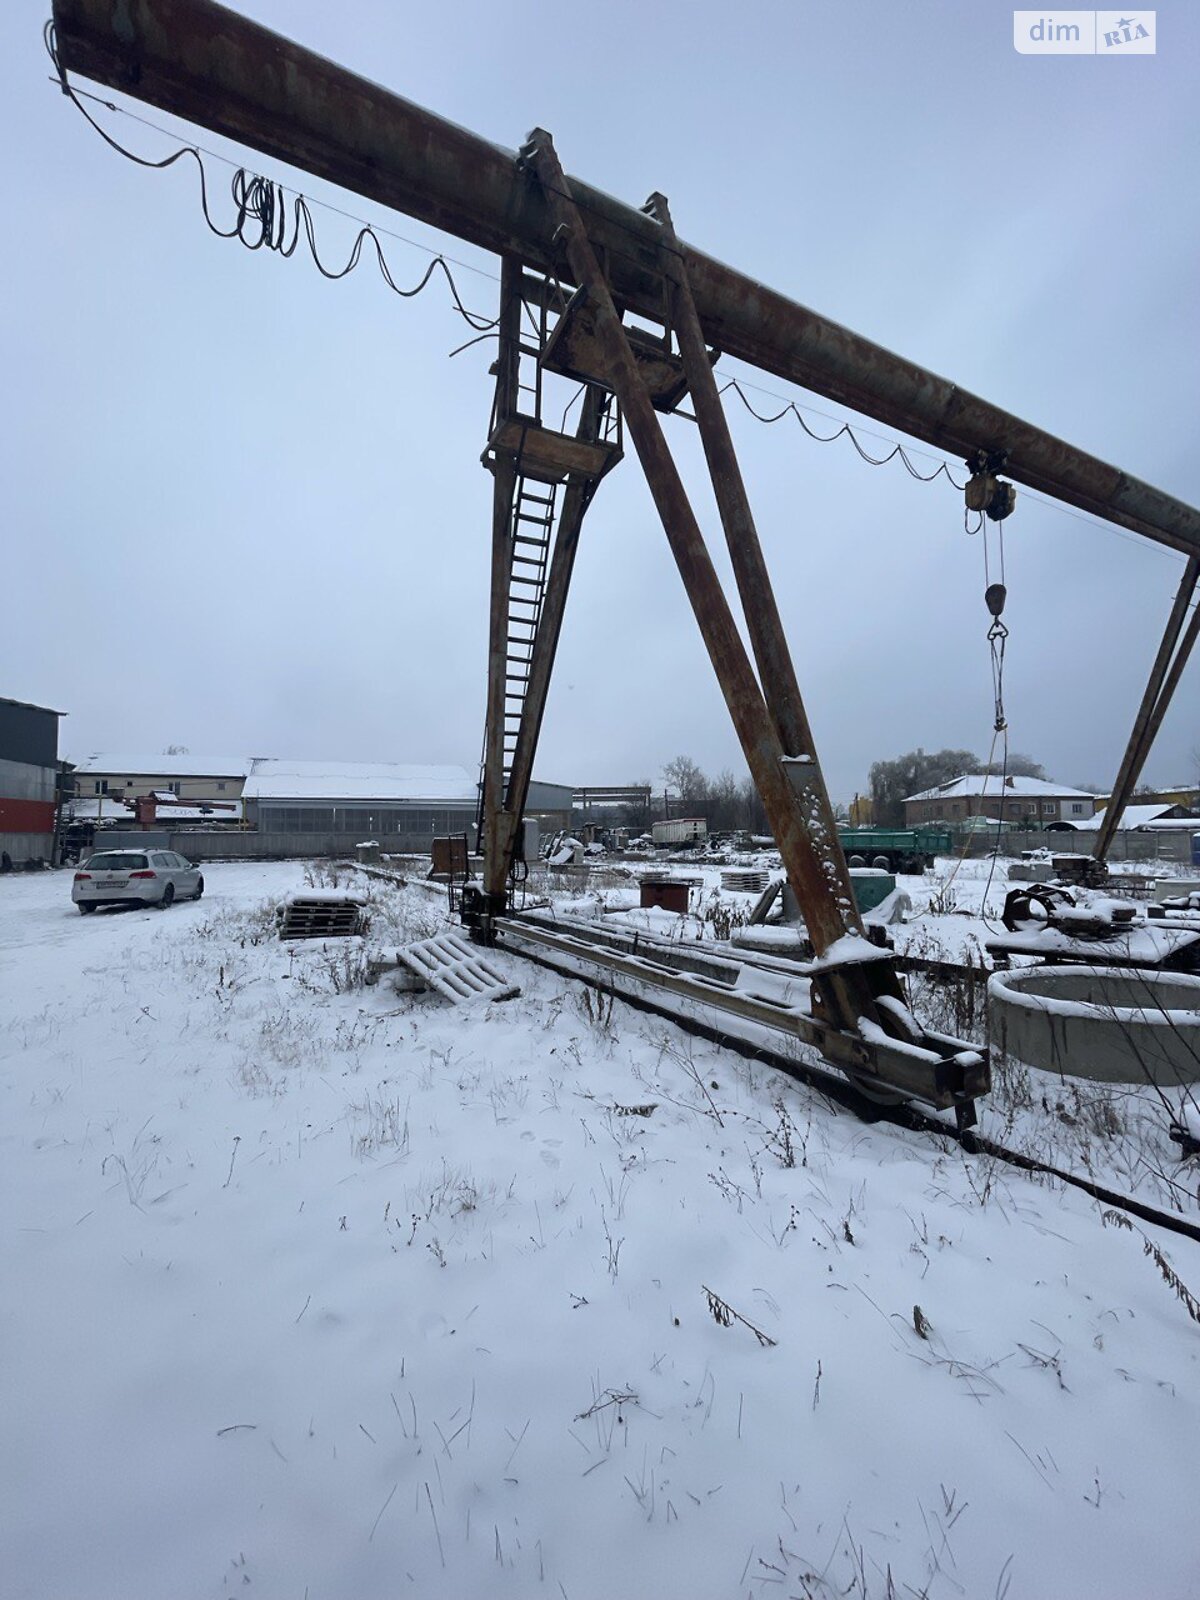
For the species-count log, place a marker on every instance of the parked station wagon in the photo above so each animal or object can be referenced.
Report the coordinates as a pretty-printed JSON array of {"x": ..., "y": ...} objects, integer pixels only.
[{"x": 135, "y": 877}]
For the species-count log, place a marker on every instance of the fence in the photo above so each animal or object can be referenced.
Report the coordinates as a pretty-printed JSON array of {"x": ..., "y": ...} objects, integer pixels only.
[
  {"x": 1156, "y": 844},
  {"x": 252, "y": 846}
]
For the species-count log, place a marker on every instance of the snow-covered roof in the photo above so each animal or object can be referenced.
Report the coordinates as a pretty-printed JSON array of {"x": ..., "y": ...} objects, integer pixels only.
[
  {"x": 973, "y": 784},
  {"x": 359, "y": 780},
  {"x": 185, "y": 765},
  {"x": 1133, "y": 817}
]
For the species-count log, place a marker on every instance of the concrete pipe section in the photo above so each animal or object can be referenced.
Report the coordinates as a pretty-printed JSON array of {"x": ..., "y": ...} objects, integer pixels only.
[{"x": 1113, "y": 1024}]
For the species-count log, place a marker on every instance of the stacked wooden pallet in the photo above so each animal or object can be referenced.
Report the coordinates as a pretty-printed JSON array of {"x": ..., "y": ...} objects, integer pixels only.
[
  {"x": 744, "y": 880},
  {"x": 320, "y": 915}
]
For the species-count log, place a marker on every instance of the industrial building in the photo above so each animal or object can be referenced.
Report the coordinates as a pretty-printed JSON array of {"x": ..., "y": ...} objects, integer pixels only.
[
  {"x": 28, "y": 777},
  {"x": 295, "y": 808},
  {"x": 388, "y": 801},
  {"x": 403, "y": 806}
]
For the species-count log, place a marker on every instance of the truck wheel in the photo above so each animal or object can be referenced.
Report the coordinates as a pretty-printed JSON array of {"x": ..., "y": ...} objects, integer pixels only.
[{"x": 882, "y": 861}]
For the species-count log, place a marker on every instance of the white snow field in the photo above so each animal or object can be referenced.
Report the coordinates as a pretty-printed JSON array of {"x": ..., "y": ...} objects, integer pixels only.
[{"x": 311, "y": 1290}]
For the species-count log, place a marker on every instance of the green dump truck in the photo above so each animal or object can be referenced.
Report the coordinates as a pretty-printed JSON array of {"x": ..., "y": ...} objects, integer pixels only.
[{"x": 896, "y": 849}]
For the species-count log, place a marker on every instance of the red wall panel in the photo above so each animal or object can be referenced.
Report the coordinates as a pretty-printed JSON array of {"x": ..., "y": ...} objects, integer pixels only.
[{"x": 26, "y": 816}]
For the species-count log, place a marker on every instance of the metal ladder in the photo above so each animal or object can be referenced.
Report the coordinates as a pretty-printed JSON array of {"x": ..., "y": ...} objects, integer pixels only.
[{"x": 535, "y": 506}]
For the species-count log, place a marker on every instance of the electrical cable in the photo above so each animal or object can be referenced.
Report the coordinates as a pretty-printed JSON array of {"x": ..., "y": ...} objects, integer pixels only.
[
  {"x": 261, "y": 207},
  {"x": 260, "y": 201},
  {"x": 1102, "y": 524},
  {"x": 898, "y": 451}
]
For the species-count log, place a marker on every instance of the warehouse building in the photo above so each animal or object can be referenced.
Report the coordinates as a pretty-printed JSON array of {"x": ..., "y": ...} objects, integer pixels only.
[
  {"x": 28, "y": 775},
  {"x": 401, "y": 806},
  {"x": 287, "y": 808}
]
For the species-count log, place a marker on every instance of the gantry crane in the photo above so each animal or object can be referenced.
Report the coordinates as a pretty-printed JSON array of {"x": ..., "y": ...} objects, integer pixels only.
[{"x": 576, "y": 266}]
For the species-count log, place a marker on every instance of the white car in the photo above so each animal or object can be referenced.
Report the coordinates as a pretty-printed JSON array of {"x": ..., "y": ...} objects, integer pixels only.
[{"x": 135, "y": 877}]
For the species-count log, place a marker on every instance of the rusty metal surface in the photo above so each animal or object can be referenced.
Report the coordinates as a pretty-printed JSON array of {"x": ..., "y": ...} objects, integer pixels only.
[
  {"x": 575, "y": 351},
  {"x": 551, "y": 457},
  {"x": 759, "y": 740},
  {"x": 942, "y": 1080},
  {"x": 221, "y": 71},
  {"x": 499, "y": 828},
  {"x": 776, "y": 672},
  {"x": 1160, "y": 689},
  {"x": 576, "y": 500}
]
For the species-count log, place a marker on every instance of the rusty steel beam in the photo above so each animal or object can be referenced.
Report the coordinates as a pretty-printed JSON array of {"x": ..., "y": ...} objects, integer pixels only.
[
  {"x": 1160, "y": 690},
  {"x": 215, "y": 68},
  {"x": 498, "y": 829},
  {"x": 764, "y": 754},
  {"x": 776, "y": 672}
]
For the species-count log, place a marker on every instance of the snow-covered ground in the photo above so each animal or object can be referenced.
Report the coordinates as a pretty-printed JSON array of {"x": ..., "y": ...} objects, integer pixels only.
[
  {"x": 317, "y": 1290},
  {"x": 1117, "y": 1135}
]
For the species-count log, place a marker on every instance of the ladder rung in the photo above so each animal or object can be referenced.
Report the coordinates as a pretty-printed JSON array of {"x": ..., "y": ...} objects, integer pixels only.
[
  {"x": 530, "y": 583},
  {"x": 538, "y": 499},
  {"x": 528, "y": 561},
  {"x": 520, "y": 538}
]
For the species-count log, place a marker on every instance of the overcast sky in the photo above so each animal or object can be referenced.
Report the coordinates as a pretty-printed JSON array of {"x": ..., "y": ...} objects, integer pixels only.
[{"x": 244, "y": 509}]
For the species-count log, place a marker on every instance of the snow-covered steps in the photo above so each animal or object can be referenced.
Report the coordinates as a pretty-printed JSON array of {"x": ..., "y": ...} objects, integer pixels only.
[{"x": 456, "y": 969}]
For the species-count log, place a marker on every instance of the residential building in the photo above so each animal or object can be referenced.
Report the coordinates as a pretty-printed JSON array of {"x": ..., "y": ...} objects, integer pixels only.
[
  {"x": 1027, "y": 802},
  {"x": 190, "y": 777}
]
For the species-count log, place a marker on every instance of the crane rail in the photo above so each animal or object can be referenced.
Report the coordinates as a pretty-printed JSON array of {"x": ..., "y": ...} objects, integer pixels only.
[{"x": 790, "y": 1055}]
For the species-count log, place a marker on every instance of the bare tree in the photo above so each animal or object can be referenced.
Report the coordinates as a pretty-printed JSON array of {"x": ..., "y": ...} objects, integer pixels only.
[
  {"x": 893, "y": 781},
  {"x": 685, "y": 777}
]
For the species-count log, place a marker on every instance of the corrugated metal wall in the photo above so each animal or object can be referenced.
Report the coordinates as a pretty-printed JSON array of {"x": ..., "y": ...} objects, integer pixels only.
[
  {"x": 26, "y": 810},
  {"x": 28, "y": 735}
]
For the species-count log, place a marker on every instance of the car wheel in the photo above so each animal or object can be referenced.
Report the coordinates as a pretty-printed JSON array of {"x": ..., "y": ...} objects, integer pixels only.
[
  {"x": 86, "y": 910},
  {"x": 199, "y": 887},
  {"x": 168, "y": 896}
]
